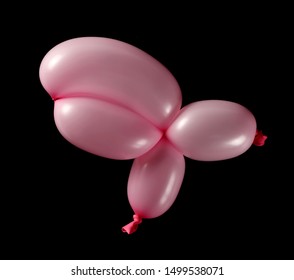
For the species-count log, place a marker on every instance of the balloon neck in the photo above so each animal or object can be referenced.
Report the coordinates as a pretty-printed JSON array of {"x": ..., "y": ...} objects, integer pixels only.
[
  {"x": 259, "y": 138},
  {"x": 132, "y": 226}
]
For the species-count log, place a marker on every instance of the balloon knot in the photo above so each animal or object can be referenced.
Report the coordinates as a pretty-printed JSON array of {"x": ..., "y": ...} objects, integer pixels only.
[
  {"x": 259, "y": 138},
  {"x": 132, "y": 226}
]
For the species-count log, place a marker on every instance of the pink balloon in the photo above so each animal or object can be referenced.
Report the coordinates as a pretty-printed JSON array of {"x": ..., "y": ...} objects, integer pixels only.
[
  {"x": 114, "y": 71},
  {"x": 213, "y": 130},
  {"x": 116, "y": 101},
  {"x": 103, "y": 128},
  {"x": 155, "y": 181}
]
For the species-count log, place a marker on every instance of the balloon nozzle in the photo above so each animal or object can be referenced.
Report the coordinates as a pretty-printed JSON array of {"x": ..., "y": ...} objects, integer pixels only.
[
  {"x": 132, "y": 226},
  {"x": 259, "y": 138}
]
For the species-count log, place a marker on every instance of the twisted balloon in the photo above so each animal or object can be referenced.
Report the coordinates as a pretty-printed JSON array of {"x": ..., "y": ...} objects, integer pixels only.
[{"x": 114, "y": 100}]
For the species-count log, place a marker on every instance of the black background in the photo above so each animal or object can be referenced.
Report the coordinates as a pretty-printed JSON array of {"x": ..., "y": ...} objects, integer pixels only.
[{"x": 60, "y": 202}]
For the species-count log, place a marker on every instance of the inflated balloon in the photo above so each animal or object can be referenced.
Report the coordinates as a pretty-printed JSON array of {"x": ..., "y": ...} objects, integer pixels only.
[
  {"x": 212, "y": 130},
  {"x": 114, "y": 100},
  {"x": 155, "y": 181}
]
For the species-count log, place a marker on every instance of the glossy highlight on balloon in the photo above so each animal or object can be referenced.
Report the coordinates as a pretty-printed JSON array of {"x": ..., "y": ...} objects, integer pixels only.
[{"x": 114, "y": 100}]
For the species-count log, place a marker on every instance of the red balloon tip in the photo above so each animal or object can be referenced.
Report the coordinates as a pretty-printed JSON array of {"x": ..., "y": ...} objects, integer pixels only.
[
  {"x": 132, "y": 226},
  {"x": 259, "y": 138}
]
